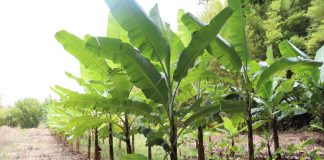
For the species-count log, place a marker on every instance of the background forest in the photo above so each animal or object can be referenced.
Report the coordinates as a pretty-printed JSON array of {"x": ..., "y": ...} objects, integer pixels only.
[{"x": 271, "y": 21}]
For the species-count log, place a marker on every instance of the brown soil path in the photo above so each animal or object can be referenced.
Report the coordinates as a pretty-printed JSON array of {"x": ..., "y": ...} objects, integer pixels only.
[{"x": 32, "y": 144}]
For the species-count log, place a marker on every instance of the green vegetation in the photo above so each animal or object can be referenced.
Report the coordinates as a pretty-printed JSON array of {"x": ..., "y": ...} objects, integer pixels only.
[
  {"x": 26, "y": 113},
  {"x": 235, "y": 75}
]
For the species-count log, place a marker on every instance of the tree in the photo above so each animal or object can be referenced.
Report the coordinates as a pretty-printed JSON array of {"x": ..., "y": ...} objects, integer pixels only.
[
  {"x": 26, "y": 113},
  {"x": 153, "y": 44},
  {"x": 316, "y": 29}
]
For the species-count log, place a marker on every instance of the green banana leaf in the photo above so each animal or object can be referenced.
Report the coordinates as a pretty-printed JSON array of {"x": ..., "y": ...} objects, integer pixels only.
[
  {"x": 219, "y": 47},
  {"x": 172, "y": 39},
  {"x": 142, "y": 32},
  {"x": 234, "y": 31},
  {"x": 287, "y": 49},
  {"x": 140, "y": 70},
  {"x": 284, "y": 64},
  {"x": 75, "y": 46},
  {"x": 200, "y": 40},
  {"x": 320, "y": 57}
]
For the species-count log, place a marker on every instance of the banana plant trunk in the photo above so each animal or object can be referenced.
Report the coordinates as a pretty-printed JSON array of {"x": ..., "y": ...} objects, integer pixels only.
[
  {"x": 111, "y": 142},
  {"x": 201, "y": 148},
  {"x": 97, "y": 155},
  {"x": 269, "y": 149},
  {"x": 232, "y": 153},
  {"x": 173, "y": 139},
  {"x": 77, "y": 145},
  {"x": 133, "y": 143},
  {"x": 250, "y": 128},
  {"x": 275, "y": 135},
  {"x": 89, "y": 146},
  {"x": 127, "y": 135},
  {"x": 149, "y": 152},
  {"x": 322, "y": 118}
]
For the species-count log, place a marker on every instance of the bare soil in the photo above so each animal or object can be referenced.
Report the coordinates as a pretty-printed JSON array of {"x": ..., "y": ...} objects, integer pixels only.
[
  {"x": 285, "y": 139},
  {"x": 32, "y": 144}
]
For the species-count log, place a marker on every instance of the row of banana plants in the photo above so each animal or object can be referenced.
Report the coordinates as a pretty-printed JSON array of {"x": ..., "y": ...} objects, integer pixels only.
[{"x": 144, "y": 78}]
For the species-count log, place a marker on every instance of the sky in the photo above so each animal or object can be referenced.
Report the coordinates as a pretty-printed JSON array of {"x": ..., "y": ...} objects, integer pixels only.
[{"x": 31, "y": 60}]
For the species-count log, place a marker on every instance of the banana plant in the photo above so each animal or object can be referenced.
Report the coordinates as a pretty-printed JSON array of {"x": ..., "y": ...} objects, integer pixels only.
[
  {"x": 236, "y": 43},
  {"x": 148, "y": 60},
  {"x": 108, "y": 88},
  {"x": 315, "y": 87},
  {"x": 273, "y": 91}
]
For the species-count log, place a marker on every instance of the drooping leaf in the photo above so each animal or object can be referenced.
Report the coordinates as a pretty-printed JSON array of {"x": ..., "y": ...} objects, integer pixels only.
[
  {"x": 270, "y": 58},
  {"x": 287, "y": 49},
  {"x": 199, "y": 75},
  {"x": 80, "y": 125},
  {"x": 203, "y": 111},
  {"x": 200, "y": 40},
  {"x": 183, "y": 32},
  {"x": 114, "y": 30},
  {"x": 320, "y": 57},
  {"x": 234, "y": 31},
  {"x": 77, "y": 100},
  {"x": 142, "y": 33},
  {"x": 119, "y": 86},
  {"x": 141, "y": 71},
  {"x": 219, "y": 47},
  {"x": 92, "y": 88},
  {"x": 172, "y": 39},
  {"x": 283, "y": 64},
  {"x": 228, "y": 125},
  {"x": 76, "y": 46},
  {"x": 232, "y": 106},
  {"x": 154, "y": 137}
]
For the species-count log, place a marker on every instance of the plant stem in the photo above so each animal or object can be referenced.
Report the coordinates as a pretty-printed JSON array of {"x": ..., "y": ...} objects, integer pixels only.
[
  {"x": 111, "y": 142},
  {"x": 97, "y": 155},
  {"x": 250, "y": 128},
  {"x": 89, "y": 145},
  {"x": 149, "y": 152},
  {"x": 133, "y": 143},
  {"x": 201, "y": 148},
  {"x": 127, "y": 136},
  {"x": 275, "y": 135}
]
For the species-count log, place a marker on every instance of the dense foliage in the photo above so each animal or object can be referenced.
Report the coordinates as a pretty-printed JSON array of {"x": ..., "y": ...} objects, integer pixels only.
[
  {"x": 144, "y": 78},
  {"x": 300, "y": 21},
  {"x": 26, "y": 113}
]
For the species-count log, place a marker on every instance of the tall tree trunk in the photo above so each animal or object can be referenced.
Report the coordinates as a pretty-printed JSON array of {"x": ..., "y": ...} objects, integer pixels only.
[
  {"x": 97, "y": 155},
  {"x": 201, "y": 148},
  {"x": 149, "y": 152},
  {"x": 89, "y": 146},
  {"x": 127, "y": 136},
  {"x": 133, "y": 143},
  {"x": 275, "y": 136},
  {"x": 173, "y": 139},
  {"x": 111, "y": 142}
]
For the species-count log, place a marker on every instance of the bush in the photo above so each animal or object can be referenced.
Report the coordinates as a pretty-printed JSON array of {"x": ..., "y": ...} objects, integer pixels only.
[
  {"x": 3, "y": 116},
  {"x": 27, "y": 113}
]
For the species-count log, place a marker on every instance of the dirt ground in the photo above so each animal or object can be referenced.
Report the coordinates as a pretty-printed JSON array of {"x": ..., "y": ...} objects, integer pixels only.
[
  {"x": 285, "y": 140},
  {"x": 39, "y": 144},
  {"x": 32, "y": 144}
]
